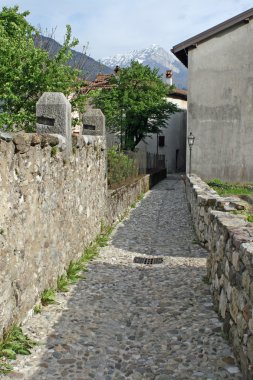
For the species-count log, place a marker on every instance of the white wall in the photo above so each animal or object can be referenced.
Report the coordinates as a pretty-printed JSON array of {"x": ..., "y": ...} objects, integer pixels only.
[{"x": 175, "y": 139}]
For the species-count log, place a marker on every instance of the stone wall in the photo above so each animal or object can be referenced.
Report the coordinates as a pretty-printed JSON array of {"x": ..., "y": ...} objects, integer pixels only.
[
  {"x": 51, "y": 208},
  {"x": 120, "y": 199},
  {"x": 229, "y": 239},
  {"x": 53, "y": 199}
]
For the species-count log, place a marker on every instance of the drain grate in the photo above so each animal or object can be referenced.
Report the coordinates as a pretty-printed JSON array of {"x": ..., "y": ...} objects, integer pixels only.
[{"x": 148, "y": 261}]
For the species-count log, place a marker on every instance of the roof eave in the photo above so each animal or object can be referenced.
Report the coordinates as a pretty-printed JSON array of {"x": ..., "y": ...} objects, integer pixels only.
[{"x": 181, "y": 50}]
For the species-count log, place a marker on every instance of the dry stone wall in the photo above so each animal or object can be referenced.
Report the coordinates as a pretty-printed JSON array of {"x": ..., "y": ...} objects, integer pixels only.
[
  {"x": 51, "y": 208},
  {"x": 53, "y": 199},
  {"x": 229, "y": 239},
  {"x": 125, "y": 196}
]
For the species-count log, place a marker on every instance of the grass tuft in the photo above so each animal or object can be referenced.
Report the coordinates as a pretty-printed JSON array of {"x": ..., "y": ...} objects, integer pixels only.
[
  {"x": 89, "y": 253},
  {"x": 62, "y": 284},
  {"x": 37, "y": 309},
  {"x": 74, "y": 270},
  {"x": 48, "y": 297},
  {"x": 5, "y": 368},
  {"x": 250, "y": 218},
  {"x": 15, "y": 342},
  {"x": 224, "y": 188}
]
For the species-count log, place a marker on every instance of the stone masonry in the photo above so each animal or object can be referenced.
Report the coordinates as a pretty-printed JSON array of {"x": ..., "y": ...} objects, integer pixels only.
[
  {"x": 51, "y": 208},
  {"x": 229, "y": 239},
  {"x": 53, "y": 198},
  {"x": 135, "y": 321}
]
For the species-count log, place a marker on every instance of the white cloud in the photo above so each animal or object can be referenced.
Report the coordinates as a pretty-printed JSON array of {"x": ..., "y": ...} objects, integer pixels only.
[{"x": 113, "y": 26}]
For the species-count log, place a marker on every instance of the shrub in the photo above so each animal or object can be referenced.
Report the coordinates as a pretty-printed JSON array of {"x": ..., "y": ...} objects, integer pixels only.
[{"x": 120, "y": 167}]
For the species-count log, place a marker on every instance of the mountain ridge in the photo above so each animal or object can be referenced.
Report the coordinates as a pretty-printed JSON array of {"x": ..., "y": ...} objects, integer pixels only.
[
  {"x": 87, "y": 65},
  {"x": 154, "y": 57}
]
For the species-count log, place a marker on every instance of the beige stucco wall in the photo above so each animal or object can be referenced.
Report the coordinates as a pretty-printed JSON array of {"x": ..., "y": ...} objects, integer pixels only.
[{"x": 220, "y": 105}]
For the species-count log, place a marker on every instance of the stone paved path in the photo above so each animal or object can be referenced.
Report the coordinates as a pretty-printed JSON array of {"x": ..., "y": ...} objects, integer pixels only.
[{"x": 131, "y": 321}]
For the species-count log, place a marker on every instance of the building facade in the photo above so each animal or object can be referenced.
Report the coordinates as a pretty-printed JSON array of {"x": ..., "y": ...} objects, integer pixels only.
[
  {"x": 220, "y": 99},
  {"x": 171, "y": 142}
]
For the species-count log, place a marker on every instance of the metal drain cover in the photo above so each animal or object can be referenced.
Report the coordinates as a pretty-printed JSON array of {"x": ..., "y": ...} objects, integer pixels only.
[{"x": 148, "y": 261}]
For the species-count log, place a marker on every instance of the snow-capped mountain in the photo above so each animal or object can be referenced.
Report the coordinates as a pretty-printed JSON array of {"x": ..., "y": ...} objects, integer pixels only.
[{"x": 154, "y": 56}]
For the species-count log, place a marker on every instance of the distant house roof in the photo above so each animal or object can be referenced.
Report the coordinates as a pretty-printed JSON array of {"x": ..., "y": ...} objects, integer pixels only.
[
  {"x": 101, "y": 78},
  {"x": 177, "y": 93},
  {"x": 181, "y": 50},
  {"x": 101, "y": 81}
]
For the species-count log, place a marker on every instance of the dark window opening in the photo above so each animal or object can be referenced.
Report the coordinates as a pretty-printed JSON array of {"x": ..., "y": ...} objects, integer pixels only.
[{"x": 161, "y": 140}]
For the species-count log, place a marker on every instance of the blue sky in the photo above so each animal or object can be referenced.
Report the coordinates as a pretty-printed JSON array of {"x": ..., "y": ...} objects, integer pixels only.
[{"x": 117, "y": 26}]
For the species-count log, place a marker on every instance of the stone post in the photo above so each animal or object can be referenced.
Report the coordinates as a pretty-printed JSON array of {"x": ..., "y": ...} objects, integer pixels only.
[
  {"x": 53, "y": 111},
  {"x": 94, "y": 123}
]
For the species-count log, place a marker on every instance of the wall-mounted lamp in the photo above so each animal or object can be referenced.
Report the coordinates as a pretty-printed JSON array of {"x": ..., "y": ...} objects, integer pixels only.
[{"x": 190, "y": 139}]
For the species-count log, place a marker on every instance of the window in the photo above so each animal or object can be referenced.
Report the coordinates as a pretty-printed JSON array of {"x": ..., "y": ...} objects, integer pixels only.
[{"x": 161, "y": 140}]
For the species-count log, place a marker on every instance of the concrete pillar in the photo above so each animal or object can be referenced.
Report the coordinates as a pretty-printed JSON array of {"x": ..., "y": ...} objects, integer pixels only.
[
  {"x": 53, "y": 112},
  {"x": 94, "y": 123}
]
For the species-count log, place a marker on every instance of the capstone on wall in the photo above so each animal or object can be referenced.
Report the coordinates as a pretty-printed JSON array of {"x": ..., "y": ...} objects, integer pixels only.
[{"x": 229, "y": 238}]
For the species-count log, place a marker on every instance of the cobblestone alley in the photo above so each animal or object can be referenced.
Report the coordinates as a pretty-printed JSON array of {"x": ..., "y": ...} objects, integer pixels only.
[{"x": 136, "y": 321}]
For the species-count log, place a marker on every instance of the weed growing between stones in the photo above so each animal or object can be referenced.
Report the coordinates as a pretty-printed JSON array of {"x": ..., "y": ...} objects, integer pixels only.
[
  {"x": 140, "y": 197},
  {"x": 250, "y": 218},
  {"x": 103, "y": 237},
  {"x": 62, "y": 284},
  {"x": 73, "y": 271},
  {"x": 54, "y": 151},
  {"x": 246, "y": 213},
  {"x": 15, "y": 342},
  {"x": 133, "y": 205},
  {"x": 48, "y": 297},
  {"x": 37, "y": 309},
  {"x": 5, "y": 368},
  {"x": 89, "y": 253}
]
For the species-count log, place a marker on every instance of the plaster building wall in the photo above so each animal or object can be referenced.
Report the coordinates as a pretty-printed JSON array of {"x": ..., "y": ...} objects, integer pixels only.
[
  {"x": 174, "y": 134},
  {"x": 220, "y": 105}
]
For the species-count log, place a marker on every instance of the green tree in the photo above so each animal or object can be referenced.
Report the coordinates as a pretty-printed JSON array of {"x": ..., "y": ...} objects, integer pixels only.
[
  {"x": 136, "y": 105},
  {"x": 27, "y": 71}
]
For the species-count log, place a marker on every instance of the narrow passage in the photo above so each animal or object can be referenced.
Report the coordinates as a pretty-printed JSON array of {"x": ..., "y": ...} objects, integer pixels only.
[{"x": 136, "y": 321}]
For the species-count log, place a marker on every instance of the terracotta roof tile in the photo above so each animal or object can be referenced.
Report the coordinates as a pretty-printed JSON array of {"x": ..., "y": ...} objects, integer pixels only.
[{"x": 102, "y": 81}]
